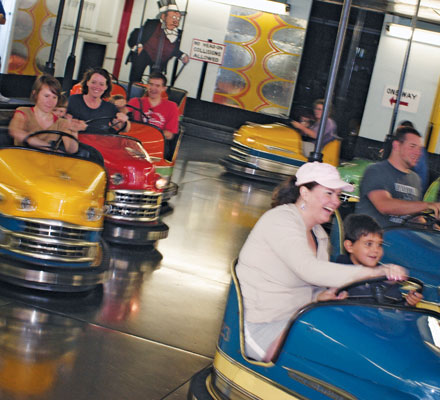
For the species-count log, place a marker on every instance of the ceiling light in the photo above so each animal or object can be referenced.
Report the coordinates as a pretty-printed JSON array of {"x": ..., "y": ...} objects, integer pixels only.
[
  {"x": 274, "y": 7},
  {"x": 420, "y": 35}
]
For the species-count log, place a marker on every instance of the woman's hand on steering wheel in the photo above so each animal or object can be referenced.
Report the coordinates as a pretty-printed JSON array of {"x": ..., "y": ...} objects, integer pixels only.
[
  {"x": 115, "y": 122},
  {"x": 330, "y": 294},
  {"x": 76, "y": 125},
  {"x": 393, "y": 272},
  {"x": 120, "y": 121}
]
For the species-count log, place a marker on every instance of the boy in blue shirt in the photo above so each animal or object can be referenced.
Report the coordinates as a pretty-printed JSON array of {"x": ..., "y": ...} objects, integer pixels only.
[{"x": 363, "y": 242}]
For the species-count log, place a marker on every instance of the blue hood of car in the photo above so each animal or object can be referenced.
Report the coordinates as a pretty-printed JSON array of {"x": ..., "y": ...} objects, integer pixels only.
[
  {"x": 358, "y": 347},
  {"x": 419, "y": 252}
]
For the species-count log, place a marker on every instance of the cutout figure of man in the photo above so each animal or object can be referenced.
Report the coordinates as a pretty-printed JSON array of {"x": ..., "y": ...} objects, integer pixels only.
[{"x": 157, "y": 42}]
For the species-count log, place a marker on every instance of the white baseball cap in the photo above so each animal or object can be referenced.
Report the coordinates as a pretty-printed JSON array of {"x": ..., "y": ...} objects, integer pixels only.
[{"x": 325, "y": 174}]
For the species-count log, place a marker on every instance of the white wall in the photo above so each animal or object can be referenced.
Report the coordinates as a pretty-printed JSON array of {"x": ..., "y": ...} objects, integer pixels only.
[
  {"x": 6, "y": 33},
  {"x": 422, "y": 76},
  {"x": 100, "y": 23}
]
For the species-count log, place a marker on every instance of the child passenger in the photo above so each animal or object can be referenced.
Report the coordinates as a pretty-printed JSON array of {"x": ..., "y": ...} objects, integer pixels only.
[
  {"x": 61, "y": 108},
  {"x": 363, "y": 241},
  {"x": 120, "y": 102}
]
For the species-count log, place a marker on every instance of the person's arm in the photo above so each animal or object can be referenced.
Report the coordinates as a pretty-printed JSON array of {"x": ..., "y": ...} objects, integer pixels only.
[
  {"x": 413, "y": 298},
  {"x": 168, "y": 135},
  {"x": 172, "y": 124},
  {"x": 72, "y": 127},
  {"x": 287, "y": 238},
  {"x": 386, "y": 204},
  {"x": 120, "y": 120},
  {"x": 304, "y": 129},
  {"x": 17, "y": 129},
  {"x": 135, "y": 102}
]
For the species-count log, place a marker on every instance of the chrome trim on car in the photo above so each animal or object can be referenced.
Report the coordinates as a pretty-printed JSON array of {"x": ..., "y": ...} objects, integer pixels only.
[
  {"x": 171, "y": 190},
  {"x": 50, "y": 240},
  {"x": 57, "y": 223},
  {"x": 223, "y": 381},
  {"x": 234, "y": 166},
  {"x": 133, "y": 234},
  {"x": 327, "y": 389},
  {"x": 134, "y": 205},
  {"x": 240, "y": 155},
  {"x": 346, "y": 197},
  {"x": 73, "y": 279}
]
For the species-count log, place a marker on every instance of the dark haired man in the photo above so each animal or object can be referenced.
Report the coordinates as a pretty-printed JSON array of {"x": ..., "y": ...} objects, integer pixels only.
[
  {"x": 389, "y": 189},
  {"x": 158, "y": 111}
]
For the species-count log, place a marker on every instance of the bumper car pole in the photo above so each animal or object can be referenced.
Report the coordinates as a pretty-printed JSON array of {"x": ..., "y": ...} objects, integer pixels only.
[
  {"x": 389, "y": 137},
  {"x": 316, "y": 155},
  {"x": 50, "y": 65},
  {"x": 70, "y": 65}
]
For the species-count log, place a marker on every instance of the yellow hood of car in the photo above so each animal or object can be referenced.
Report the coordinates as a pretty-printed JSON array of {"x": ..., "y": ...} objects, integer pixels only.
[
  {"x": 35, "y": 184},
  {"x": 273, "y": 138}
]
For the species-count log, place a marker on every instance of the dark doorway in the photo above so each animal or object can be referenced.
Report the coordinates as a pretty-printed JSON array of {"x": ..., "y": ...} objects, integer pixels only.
[
  {"x": 92, "y": 56},
  {"x": 355, "y": 68}
]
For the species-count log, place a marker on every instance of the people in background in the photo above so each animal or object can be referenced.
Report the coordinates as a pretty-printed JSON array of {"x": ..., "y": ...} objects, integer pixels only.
[
  {"x": 26, "y": 120},
  {"x": 120, "y": 102},
  {"x": 61, "y": 109},
  {"x": 389, "y": 189},
  {"x": 156, "y": 110},
  {"x": 90, "y": 106},
  {"x": 309, "y": 128}
]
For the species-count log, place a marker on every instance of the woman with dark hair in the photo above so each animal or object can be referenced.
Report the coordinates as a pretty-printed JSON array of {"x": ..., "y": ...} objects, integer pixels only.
[
  {"x": 284, "y": 265},
  {"x": 45, "y": 92},
  {"x": 309, "y": 128},
  {"x": 96, "y": 86}
]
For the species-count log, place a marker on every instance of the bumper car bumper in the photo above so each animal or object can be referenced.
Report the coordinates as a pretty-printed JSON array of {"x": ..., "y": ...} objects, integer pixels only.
[
  {"x": 170, "y": 191},
  {"x": 134, "y": 233},
  {"x": 258, "y": 168},
  {"x": 198, "y": 389},
  {"x": 58, "y": 279}
]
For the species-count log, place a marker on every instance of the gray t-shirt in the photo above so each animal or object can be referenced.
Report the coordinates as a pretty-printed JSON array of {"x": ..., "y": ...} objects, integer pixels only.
[
  {"x": 329, "y": 130},
  {"x": 400, "y": 185}
]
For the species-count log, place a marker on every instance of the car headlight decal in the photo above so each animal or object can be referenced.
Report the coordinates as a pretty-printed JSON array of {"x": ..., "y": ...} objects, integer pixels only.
[
  {"x": 117, "y": 179},
  {"x": 161, "y": 183},
  {"x": 93, "y": 214},
  {"x": 26, "y": 204}
]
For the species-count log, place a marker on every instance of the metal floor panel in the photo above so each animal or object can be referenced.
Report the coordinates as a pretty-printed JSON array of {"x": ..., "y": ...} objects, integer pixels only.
[{"x": 156, "y": 321}]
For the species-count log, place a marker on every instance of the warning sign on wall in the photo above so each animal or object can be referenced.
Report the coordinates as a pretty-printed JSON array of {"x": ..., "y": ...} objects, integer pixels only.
[
  {"x": 409, "y": 101},
  {"x": 203, "y": 50}
]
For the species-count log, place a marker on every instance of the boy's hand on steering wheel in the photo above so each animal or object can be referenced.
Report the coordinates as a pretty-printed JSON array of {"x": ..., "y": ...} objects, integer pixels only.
[{"x": 413, "y": 297}]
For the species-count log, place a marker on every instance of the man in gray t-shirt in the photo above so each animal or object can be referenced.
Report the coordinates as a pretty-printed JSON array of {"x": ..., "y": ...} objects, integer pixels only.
[{"x": 389, "y": 189}]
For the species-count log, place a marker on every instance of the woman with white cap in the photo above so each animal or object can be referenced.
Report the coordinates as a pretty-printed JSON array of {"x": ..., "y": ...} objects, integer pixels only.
[{"x": 284, "y": 265}]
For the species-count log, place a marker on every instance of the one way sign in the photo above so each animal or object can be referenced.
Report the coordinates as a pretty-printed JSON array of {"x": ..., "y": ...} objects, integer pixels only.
[{"x": 409, "y": 101}]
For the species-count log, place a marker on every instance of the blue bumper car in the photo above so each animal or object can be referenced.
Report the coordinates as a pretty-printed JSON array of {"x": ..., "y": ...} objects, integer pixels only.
[{"x": 349, "y": 349}]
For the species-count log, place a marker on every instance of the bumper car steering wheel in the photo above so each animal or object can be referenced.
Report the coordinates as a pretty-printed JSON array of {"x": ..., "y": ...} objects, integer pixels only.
[
  {"x": 381, "y": 290},
  {"x": 54, "y": 145}
]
